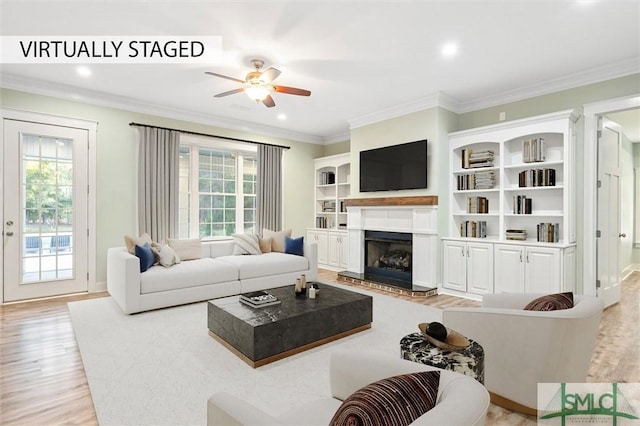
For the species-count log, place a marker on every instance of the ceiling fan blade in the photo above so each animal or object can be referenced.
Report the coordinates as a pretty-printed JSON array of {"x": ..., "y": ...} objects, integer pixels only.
[
  {"x": 292, "y": 90},
  {"x": 268, "y": 102},
  {"x": 224, "y": 76},
  {"x": 230, "y": 92},
  {"x": 270, "y": 74}
]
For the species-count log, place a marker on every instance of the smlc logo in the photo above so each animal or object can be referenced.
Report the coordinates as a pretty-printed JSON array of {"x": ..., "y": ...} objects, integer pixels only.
[{"x": 586, "y": 403}]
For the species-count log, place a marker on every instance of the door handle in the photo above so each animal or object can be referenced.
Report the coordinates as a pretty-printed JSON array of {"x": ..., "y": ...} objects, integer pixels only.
[
  {"x": 9, "y": 234},
  {"x": 622, "y": 235}
]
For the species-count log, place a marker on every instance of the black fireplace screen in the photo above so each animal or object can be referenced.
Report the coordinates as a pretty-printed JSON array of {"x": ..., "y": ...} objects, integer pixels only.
[{"x": 388, "y": 255}]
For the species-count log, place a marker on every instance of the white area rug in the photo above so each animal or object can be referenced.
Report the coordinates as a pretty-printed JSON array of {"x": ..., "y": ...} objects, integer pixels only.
[{"x": 160, "y": 367}]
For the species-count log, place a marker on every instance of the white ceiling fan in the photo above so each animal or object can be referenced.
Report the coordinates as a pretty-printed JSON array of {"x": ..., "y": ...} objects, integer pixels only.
[{"x": 257, "y": 84}]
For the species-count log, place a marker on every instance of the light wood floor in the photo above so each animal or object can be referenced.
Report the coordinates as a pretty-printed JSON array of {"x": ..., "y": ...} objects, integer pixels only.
[{"x": 42, "y": 380}]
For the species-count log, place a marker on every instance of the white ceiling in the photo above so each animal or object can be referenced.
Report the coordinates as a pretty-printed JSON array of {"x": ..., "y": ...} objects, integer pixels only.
[{"x": 360, "y": 60}]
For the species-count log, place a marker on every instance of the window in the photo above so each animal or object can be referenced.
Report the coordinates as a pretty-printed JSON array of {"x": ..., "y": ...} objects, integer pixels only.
[{"x": 217, "y": 185}]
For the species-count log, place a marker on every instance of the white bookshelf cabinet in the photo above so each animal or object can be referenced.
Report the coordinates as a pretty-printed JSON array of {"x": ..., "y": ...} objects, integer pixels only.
[
  {"x": 332, "y": 187},
  {"x": 526, "y": 265}
]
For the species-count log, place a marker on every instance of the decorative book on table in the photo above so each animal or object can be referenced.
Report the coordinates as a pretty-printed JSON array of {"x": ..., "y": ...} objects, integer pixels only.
[{"x": 259, "y": 299}]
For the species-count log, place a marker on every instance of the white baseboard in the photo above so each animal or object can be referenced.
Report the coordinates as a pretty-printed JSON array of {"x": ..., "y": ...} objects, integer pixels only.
[
  {"x": 630, "y": 269},
  {"x": 97, "y": 287}
]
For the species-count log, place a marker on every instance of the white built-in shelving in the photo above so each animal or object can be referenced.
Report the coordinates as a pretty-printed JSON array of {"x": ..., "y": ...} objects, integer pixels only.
[{"x": 551, "y": 201}]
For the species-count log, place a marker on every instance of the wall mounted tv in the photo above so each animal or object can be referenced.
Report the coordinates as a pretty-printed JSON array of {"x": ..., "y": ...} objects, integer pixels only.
[{"x": 394, "y": 167}]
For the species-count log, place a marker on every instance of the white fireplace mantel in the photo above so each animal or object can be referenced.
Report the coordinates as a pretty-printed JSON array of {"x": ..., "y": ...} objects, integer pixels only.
[{"x": 419, "y": 220}]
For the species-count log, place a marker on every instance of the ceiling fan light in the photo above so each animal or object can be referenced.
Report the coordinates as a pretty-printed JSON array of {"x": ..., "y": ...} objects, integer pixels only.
[{"x": 257, "y": 93}]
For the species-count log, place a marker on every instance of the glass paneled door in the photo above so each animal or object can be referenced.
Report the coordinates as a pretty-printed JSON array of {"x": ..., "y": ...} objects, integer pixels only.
[{"x": 45, "y": 210}]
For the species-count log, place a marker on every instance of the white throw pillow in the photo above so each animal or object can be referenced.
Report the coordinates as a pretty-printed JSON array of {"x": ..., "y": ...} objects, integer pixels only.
[
  {"x": 167, "y": 256},
  {"x": 187, "y": 249},
  {"x": 277, "y": 238},
  {"x": 246, "y": 244}
]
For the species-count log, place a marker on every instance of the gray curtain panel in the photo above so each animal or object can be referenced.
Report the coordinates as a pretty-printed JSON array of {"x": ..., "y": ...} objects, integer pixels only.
[
  {"x": 158, "y": 165},
  {"x": 269, "y": 191}
]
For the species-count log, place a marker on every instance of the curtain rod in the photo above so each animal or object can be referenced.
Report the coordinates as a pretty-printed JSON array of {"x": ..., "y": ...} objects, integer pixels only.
[{"x": 209, "y": 135}]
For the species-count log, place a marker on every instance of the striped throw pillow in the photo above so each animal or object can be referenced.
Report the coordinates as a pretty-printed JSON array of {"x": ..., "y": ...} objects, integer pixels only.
[
  {"x": 396, "y": 401},
  {"x": 551, "y": 302},
  {"x": 246, "y": 244}
]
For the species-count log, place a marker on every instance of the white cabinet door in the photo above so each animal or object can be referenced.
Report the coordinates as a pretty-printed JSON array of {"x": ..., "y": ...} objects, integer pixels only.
[
  {"x": 320, "y": 237},
  {"x": 509, "y": 268},
  {"x": 454, "y": 266},
  {"x": 344, "y": 251},
  {"x": 542, "y": 270},
  {"x": 333, "y": 249},
  {"x": 479, "y": 268}
]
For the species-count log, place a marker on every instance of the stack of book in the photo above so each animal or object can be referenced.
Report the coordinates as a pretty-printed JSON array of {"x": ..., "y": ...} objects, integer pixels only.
[
  {"x": 521, "y": 204},
  {"x": 474, "y": 159},
  {"x": 478, "y": 180},
  {"x": 533, "y": 150},
  {"x": 516, "y": 234},
  {"x": 477, "y": 205},
  {"x": 549, "y": 232},
  {"x": 321, "y": 222},
  {"x": 259, "y": 299},
  {"x": 473, "y": 229}
]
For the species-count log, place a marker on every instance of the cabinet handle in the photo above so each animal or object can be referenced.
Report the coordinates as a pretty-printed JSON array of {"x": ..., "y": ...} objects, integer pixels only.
[
  {"x": 527, "y": 257},
  {"x": 467, "y": 251},
  {"x": 520, "y": 256},
  {"x": 462, "y": 252}
]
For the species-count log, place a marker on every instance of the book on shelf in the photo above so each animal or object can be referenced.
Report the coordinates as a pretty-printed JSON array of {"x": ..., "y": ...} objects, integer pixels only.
[
  {"x": 522, "y": 204},
  {"x": 477, "y": 205},
  {"x": 258, "y": 299},
  {"x": 548, "y": 232},
  {"x": 475, "y": 159},
  {"x": 516, "y": 234},
  {"x": 537, "y": 177},
  {"x": 329, "y": 206},
  {"x": 473, "y": 229},
  {"x": 321, "y": 222},
  {"x": 326, "y": 178},
  {"x": 533, "y": 150}
]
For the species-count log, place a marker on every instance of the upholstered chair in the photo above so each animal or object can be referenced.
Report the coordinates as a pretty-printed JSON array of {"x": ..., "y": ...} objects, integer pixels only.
[
  {"x": 523, "y": 348},
  {"x": 461, "y": 400}
]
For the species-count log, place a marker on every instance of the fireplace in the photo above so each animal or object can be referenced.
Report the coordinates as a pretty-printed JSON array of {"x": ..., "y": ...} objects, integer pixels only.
[{"x": 388, "y": 258}]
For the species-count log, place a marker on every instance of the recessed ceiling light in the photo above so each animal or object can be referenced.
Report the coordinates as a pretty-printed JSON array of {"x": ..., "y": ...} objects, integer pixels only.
[
  {"x": 449, "y": 50},
  {"x": 282, "y": 116},
  {"x": 83, "y": 71}
]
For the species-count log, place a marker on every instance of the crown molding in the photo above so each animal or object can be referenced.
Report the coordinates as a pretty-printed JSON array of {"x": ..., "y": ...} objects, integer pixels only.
[
  {"x": 566, "y": 82},
  {"x": 338, "y": 137},
  {"x": 62, "y": 91},
  {"x": 434, "y": 100}
]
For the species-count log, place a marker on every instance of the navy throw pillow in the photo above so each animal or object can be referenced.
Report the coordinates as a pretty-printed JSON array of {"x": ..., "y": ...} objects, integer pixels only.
[
  {"x": 146, "y": 256},
  {"x": 294, "y": 246}
]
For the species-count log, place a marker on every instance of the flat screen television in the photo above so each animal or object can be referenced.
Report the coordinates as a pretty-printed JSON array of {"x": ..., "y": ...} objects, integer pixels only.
[{"x": 391, "y": 168}]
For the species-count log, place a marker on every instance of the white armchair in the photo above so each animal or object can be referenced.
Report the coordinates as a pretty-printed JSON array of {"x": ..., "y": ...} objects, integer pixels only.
[
  {"x": 524, "y": 348},
  {"x": 461, "y": 399}
]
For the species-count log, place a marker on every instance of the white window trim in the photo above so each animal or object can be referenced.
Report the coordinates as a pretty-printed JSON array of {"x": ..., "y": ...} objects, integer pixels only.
[{"x": 194, "y": 142}]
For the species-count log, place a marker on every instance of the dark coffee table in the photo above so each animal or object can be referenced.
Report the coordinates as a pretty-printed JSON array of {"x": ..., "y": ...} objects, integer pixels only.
[{"x": 263, "y": 335}]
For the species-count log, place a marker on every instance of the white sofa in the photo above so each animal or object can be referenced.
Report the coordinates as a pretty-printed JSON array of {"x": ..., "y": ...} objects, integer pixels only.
[
  {"x": 461, "y": 399},
  {"x": 217, "y": 274},
  {"x": 524, "y": 348}
]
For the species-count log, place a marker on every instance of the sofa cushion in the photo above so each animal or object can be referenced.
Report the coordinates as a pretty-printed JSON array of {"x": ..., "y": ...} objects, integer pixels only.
[
  {"x": 398, "y": 400},
  {"x": 188, "y": 249},
  {"x": 294, "y": 246},
  {"x": 190, "y": 273},
  {"x": 266, "y": 264},
  {"x": 277, "y": 238},
  {"x": 145, "y": 254},
  {"x": 246, "y": 244},
  {"x": 551, "y": 302},
  {"x": 166, "y": 256},
  {"x": 265, "y": 244},
  {"x": 131, "y": 242}
]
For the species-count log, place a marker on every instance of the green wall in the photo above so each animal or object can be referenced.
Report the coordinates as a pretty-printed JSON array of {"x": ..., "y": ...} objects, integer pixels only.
[{"x": 116, "y": 168}]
